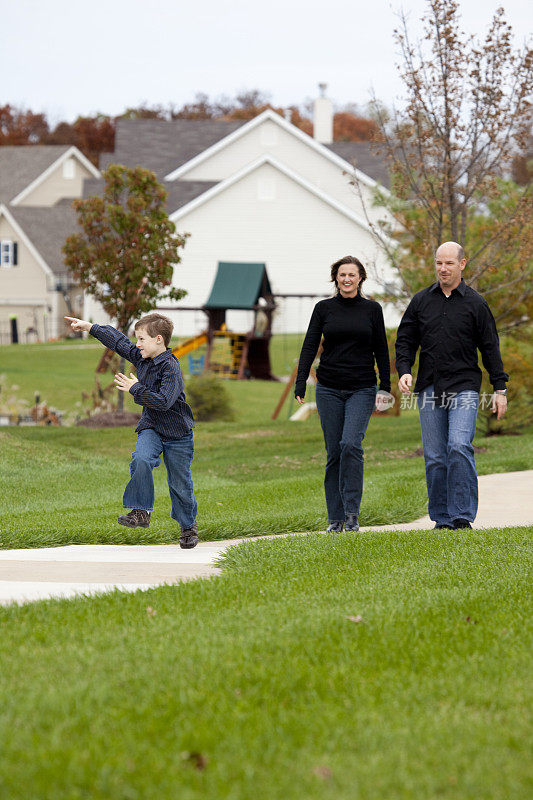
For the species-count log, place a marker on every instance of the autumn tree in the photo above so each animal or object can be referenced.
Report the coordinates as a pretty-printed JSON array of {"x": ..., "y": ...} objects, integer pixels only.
[
  {"x": 91, "y": 135},
  {"x": 127, "y": 249},
  {"x": 21, "y": 126},
  {"x": 450, "y": 151}
]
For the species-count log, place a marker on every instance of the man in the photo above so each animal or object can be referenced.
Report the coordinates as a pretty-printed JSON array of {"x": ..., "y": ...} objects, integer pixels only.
[{"x": 449, "y": 321}]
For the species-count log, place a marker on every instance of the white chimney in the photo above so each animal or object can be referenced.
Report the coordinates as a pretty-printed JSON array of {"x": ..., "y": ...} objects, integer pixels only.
[{"x": 323, "y": 117}]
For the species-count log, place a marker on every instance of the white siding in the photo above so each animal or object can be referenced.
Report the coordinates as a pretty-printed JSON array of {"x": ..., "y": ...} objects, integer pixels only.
[
  {"x": 291, "y": 151},
  {"x": 297, "y": 235}
]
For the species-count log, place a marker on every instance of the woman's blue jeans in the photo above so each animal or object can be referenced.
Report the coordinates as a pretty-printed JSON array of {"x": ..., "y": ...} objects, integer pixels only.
[
  {"x": 447, "y": 434},
  {"x": 177, "y": 455},
  {"x": 344, "y": 416}
]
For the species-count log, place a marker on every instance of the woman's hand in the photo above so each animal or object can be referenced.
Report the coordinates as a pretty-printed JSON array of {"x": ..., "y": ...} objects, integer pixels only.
[{"x": 300, "y": 400}]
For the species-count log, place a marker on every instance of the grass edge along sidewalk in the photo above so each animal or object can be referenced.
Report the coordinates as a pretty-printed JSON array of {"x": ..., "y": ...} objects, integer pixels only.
[{"x": 328, "y": 666}]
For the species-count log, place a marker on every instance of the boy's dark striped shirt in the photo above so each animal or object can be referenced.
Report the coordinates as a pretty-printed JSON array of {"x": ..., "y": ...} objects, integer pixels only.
[{"x": 160, "y": 390}]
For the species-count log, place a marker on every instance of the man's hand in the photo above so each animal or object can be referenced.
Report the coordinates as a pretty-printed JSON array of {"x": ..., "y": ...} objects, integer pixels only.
[
  {"x": 300, "y": 400},
  {"x": 405, "y": 383},
  {"x": 123, "y": 383},
  {"x": 79, "y": 324},
  {"x": 499, "y": 405}
]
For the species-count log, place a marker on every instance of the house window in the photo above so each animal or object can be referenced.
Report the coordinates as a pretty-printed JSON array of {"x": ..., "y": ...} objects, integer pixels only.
[
  {"x": 266, "y": 189},
  {"x": 8, "y": 253},
  {"x": 69, "y": 170}
]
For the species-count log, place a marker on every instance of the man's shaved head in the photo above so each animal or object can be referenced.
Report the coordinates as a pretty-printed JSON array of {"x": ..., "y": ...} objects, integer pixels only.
[{"x": 459, "y": 251}]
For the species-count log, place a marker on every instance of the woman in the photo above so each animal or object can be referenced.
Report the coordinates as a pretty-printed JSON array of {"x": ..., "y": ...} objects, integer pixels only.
[{"x": 354, "y": 336}]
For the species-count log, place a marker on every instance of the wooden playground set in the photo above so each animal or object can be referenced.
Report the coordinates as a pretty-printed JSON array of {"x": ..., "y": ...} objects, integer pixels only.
[{"x": 237, "y": 356}]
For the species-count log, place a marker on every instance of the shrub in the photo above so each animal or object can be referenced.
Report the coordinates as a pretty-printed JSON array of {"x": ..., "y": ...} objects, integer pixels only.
[{"x": 208, "y": 398}]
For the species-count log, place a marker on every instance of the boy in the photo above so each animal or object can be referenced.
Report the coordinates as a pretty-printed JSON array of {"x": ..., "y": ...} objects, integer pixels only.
[{"x": 165, "y": 426}]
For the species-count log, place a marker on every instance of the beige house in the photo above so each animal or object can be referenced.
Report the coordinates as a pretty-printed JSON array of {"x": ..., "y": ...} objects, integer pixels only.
[{"x": 37, "y": 186}]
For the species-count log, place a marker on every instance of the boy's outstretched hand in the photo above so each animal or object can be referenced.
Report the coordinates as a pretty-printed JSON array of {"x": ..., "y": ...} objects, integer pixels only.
[
  {"x": 79, "y": 324},
  {"x": 123, "y": 383}
]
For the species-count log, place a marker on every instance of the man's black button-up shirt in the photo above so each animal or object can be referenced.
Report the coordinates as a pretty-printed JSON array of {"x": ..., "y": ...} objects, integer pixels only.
[
  {"x": 160, "y": 388},
  {"x": 449, "y": 331}
]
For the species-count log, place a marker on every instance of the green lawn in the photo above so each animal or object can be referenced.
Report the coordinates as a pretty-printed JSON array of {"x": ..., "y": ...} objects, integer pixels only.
[
  {"x": 374, "y": 667},
  {"x": 65, "y": 485},
  {"x": 253, "y": 475},
  {"x": 381, "y": 666}
]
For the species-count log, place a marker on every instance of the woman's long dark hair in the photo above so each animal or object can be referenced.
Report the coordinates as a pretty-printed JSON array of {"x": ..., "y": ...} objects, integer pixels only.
[{"x": 341, "y": 263}]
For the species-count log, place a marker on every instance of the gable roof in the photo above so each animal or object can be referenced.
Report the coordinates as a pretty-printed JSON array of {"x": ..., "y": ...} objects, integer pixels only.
[
  {"x": 268, "y": 114},
  {"x": 47, "y": 228},
  {"x": 294, "y": 176},
  {"x": 366, "y": 157},
  {"x": 20, "y": 165},
  {"x": 19, "y": 231},
  {"x": 238, "y": 285},
  {"x": 179, "y": 192},
  {"x": 71, "y": 151},
  {"x": 161, "y": 145}
]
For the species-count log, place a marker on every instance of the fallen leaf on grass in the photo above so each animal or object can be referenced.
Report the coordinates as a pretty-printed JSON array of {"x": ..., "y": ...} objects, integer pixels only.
[
  {"x": 471, "y": 621},
  {"x": 196, "y": 760},
  {"x": 355, "y": 619},
  {"x": 322, "y": 772},
  {"x": 151, "y": 611}
]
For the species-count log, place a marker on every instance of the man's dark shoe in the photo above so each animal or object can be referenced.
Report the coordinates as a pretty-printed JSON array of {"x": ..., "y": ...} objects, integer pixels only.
[
  {"x": 461, "y": 523},
  {"x": 443, "y": 525},
  {"x": 334, "y": 527},
  {"x": 137, "y": 518},
  {"x": 189, "y": 537},
  {"x": 351, "y": 523}
]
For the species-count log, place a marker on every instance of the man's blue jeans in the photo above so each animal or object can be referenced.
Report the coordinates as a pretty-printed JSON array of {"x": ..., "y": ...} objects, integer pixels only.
[
  {"x": 447, "y": 435},
  {"x": 344, "y": 416},
  {"x": 177, "y": 455}
]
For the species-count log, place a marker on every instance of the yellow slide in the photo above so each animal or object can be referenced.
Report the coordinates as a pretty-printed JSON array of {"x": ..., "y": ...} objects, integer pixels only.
[{"x": 190, "y": 344}]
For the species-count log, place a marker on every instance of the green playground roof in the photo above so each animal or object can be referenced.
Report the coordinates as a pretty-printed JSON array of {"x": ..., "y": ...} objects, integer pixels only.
[{"x": 238, "y": 285}]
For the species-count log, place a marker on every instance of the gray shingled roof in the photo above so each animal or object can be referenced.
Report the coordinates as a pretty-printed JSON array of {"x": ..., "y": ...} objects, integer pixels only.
[
  {"x": 163, "y": 146},
  {"x": 179, "y": 192},
  {"x": 366, "y": 157},
  {"x": 47, "y": 229},
  {"x": 20, "y": 165}
]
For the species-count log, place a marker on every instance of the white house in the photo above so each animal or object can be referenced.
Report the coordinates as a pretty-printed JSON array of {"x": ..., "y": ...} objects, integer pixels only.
[{"x": 259, "y": 191}]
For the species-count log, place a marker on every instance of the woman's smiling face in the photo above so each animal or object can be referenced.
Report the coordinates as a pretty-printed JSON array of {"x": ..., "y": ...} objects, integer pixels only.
[{"x": 348, "y": 280}]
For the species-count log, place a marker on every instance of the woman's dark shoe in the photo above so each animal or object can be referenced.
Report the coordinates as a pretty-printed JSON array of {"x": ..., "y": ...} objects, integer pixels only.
[
  {"x": 189, "y": 537},
  {"x": 351, "y": 523},
  {"x": 334, "y": 527},
  {"x": 137, "y": 518}
]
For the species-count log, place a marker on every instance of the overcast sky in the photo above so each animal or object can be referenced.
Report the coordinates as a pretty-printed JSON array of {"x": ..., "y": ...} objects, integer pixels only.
[{"x": 68, "y": 58}]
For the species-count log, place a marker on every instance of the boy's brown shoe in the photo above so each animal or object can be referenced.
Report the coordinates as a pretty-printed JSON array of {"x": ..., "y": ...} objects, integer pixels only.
[
  {"x": 137, "y": 518},
  {"x": 189, "y": 537}
]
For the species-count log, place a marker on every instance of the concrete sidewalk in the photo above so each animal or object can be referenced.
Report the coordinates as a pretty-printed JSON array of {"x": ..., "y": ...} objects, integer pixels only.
[{"x": 35, "y": 574}]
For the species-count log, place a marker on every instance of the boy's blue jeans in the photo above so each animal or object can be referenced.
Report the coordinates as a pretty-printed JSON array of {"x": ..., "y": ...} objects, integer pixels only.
[
  {"x": 447, "y": 435},
  {"x": 344, "y": 416},
  {"x": 177, "y": 455}
]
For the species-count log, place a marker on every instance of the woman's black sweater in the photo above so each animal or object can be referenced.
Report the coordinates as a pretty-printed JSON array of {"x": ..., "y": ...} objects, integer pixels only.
[{"x": 354, "y": 335}]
